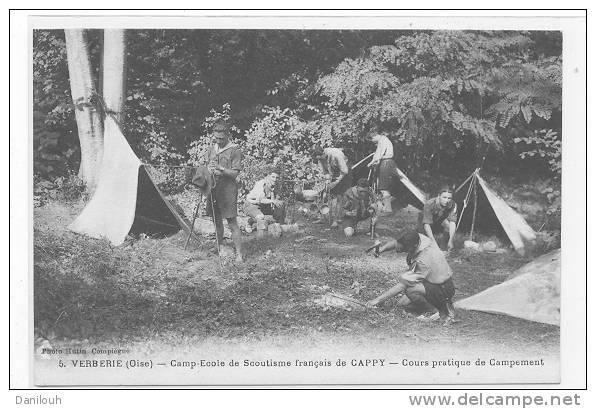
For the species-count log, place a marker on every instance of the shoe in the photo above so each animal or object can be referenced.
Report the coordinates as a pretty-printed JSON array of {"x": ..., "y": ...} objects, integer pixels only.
[
  {"x": 428, "y": 317},
  {"x": 449, "y": 320}
]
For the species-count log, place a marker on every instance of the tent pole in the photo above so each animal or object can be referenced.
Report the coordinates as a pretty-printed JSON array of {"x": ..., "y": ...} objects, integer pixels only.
[
  {"x": 194, "y": 218},
  {"x": 475, "y": 207},
  {"x": 461, "y": 215},
  {"x": 464, "y": 182},
  {"x": 216, "y": 237},
  {"x": 362, "y": 160}
]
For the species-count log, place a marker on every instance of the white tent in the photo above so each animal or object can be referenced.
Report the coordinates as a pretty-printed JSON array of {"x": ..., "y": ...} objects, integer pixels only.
[
  {"x": 402, "y": 187},
  {"x": 483, "y": 209},
  {"x": 533, "y": 292},
  {"x": 126, "y": 199}
]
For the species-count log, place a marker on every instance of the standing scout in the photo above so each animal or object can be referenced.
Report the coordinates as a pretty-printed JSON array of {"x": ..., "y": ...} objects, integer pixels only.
[
  {"x": 334, "y": 166},
  {"x": 387, "y": 169},
  {"x": 428, "y": 279},
  {"x": 439, "y": 217},
  {"x": 225, "y": 162}
]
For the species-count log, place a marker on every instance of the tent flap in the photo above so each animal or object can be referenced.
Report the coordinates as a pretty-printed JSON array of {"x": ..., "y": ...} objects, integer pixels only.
[
  {"x": 494, "y": 215},
  {"x": 110, "y": 212},
  {"x": 533, "y": 292},
  {"x": 126, "y": 198},
  {"x": 402, "y": 187}
]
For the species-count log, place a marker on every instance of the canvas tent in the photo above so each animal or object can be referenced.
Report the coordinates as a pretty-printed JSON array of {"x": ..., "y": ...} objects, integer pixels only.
[
  {"x": 402, "y": 188},
  {"x": 533, "y": 292},
  {"x": 126, "y": 199},
  {"x": 481, "y": 209}
]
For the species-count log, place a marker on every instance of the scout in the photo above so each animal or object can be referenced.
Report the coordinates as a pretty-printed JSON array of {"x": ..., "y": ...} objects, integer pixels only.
[
  {"x": 428, "y": 279},
  {"x": 383, "y": 160},
  {"x": 225, "y": 161},
  {"x": 334, "y": 166},
  {"x": 261, "y": 200},
  {"x": 359, "y": 205},
  {"x": 439, "y": 217}
]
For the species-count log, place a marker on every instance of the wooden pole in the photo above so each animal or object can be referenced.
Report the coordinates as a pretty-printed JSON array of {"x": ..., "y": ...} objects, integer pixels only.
[
  {"x": 461, "y": 215},
  {"x": 194, "y": 218},
  {"x": 362, "y": 160},
  {"x": 475, "y": 207}
]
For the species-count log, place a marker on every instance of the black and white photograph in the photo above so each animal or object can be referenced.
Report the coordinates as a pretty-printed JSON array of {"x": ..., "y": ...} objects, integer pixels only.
[{"x": 323, "y": 202}]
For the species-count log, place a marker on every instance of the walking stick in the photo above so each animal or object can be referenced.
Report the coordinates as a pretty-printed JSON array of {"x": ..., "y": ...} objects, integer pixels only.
[
  {"x": 216, "y": 236},
  {"x": 194, "y": 218}
]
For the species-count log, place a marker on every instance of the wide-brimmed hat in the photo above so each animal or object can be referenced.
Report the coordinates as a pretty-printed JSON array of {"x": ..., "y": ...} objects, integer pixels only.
[{"x": 203, "y": 179}]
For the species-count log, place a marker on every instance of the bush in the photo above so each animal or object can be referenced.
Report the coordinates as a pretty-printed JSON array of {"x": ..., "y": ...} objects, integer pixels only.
[{"x": 279, "y": 141}]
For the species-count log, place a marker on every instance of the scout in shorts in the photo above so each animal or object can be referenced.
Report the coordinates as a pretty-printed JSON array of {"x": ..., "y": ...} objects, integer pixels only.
[
  {"x": 334, "y": 166},
  {"x": 359, "y": 205},
  {"x": 427, "y": 282},
  {"x": 261, "y": 201},
  {"x": 225, "y": 162},
  {"x": 386, "y": 167},
  {"x": 439, "y": 217}
]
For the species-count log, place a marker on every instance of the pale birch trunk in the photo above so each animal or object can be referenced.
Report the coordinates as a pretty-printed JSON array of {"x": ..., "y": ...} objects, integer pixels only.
[
  {"x": 114, "y": 70},
  {"x": 89, "y": 121}
]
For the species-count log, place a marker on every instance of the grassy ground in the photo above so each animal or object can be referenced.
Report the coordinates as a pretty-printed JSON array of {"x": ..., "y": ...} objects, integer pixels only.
[{"x": 152, "y": 290}]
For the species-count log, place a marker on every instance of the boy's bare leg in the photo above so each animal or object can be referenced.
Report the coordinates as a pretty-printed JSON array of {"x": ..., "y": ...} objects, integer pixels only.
[
  {"x": 236, "y": 237},
  {"x": 219, "y": 229},
  {"x": 390, "y": 245}
]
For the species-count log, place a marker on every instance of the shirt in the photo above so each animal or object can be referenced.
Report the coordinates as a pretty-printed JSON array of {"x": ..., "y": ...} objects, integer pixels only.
[
  {"x": 384, "y": 149},
  {"x": 260, "y": 191},
  {"x": 433, "y": 213},
  {"x": 427, "y": 264},
  {"x": 228, "y": 157},
  {"x": 335, "y": 162},
  {"x": 354, "y": 201}
]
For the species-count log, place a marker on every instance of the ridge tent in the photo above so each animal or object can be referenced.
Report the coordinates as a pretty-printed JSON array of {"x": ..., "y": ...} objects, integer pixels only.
[
  {"x": 402, "y": 187},
  {"x": 126, "y": 199},
  {"x": 481, "y": 207},
  {"x": 533, "y": 292}
]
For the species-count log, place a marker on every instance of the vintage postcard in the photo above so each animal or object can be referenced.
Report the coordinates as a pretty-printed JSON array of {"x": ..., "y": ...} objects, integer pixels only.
[{"x": 294, "y": 201}]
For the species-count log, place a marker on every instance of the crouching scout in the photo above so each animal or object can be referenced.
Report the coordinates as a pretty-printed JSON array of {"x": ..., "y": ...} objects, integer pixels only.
[
  {"x": 261, "y": 201},
  {"x": 427, "y": 282},
  {"x": 225, "y": 162},
  {"x": 439, "y": 217},
  {"x": 359, "y": 205},
  {"x": 333, "y": 163}
]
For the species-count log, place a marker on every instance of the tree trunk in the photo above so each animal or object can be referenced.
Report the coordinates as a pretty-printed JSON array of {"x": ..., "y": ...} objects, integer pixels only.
[
  {"x": 89, "y": 121},
  {"x": 114, "y": 69}
]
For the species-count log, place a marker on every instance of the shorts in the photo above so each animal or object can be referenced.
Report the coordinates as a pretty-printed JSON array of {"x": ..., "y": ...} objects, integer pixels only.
[
  {"x": 387, "y": 171},
  {"x": 225, "y": 199}
]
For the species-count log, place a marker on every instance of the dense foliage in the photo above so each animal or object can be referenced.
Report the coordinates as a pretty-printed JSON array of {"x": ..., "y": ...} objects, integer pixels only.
[{"x": 449, "y": 100}]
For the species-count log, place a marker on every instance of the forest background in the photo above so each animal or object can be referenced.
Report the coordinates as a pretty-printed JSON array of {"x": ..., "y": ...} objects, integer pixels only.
[{"x": 450, "y": 101}]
